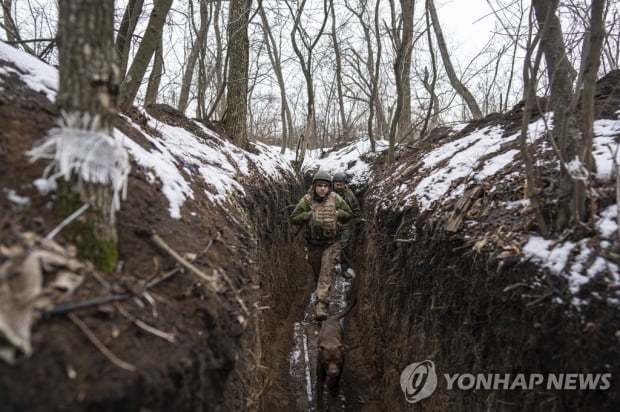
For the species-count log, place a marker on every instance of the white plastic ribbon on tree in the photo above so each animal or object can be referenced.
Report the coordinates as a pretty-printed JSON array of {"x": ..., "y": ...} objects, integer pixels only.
[{"x": 80, "y": 147}]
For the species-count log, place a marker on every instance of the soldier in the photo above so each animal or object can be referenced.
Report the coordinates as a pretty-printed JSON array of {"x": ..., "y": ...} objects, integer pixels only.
[
  {"x": 324, "y": 212},
  {"x": 340, "y": 187}
]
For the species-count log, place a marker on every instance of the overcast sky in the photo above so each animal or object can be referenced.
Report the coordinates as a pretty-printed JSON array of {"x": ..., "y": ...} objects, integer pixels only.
[{"x": 466, "y": 23}]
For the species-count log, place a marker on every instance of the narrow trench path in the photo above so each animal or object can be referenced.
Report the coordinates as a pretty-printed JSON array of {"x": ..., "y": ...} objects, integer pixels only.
[{"x": 303, "y": 352}]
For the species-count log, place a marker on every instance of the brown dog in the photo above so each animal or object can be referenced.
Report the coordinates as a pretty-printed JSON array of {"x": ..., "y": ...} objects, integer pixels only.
[{"x": 330, "y": 356}]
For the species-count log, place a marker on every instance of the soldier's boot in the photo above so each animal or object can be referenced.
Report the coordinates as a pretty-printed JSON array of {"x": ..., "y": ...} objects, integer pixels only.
[{"x": 320, "y": 311}]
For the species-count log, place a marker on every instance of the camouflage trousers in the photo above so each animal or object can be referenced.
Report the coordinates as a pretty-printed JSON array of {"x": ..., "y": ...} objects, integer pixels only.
[{"x": 322, "y": 259}]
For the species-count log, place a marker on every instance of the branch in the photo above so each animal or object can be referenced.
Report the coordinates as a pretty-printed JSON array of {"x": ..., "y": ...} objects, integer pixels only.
[
  {"x": 144, "y": 326},
  {"x": 102, "y": 348},
  {"x": 160, "y": 242},
  {"x": 27, "y": 41}
]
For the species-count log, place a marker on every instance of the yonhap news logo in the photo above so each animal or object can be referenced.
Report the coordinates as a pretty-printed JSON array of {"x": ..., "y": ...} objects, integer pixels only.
[{"x": 419, "y": 380}]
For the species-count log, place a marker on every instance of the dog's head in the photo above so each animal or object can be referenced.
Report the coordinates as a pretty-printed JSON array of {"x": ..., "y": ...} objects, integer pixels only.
[{"x": 332, "y": 359}]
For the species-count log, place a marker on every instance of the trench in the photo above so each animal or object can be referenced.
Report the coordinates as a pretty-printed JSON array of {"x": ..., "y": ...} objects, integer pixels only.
[
  {"x": 303, "y": 355},
  {"x": 426, "y": 299},
  {"x": 289, "y": 331}
]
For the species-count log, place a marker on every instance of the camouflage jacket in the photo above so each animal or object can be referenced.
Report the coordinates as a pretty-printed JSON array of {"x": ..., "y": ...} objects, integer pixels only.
[
  {"x": 323, "y": 219},
  {"x": 349, "y": 197}
]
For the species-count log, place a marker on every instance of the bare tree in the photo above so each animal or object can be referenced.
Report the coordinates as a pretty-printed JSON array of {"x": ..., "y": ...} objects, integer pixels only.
[
  {"x": 306, "y": 67},
  {"x": 611, "y": 50},
  {"x": 592, "y": 45},
  {"x": 93, "y": 163},
  {"x": 338, "y": 78},
  {"x": 8, "y": 24},
  {"x": 432, "y": 115},
  {"x": 155, "y": 77},
  {"x": 404, "y": 120},
  {"x": 456, "y": 83},
  {"x": 274, "y": 57},
  {"x": 238, "y": 55},
  {"x": 190, "y": 65},
  {"x": 212, "y": 71},
  {"x": 133, "y": 80},
  {"x": 566, "y": 132},
  {"x": 515, "y": 44},
  {"x": 370, "y": 77},
  {"x": 402, "y": 73},
  {"x": 530, "y": 79},
  {"x": 375, "y": 70},
  {"x": 126, "y": 30},
  {"x": 11, "y": 30}
]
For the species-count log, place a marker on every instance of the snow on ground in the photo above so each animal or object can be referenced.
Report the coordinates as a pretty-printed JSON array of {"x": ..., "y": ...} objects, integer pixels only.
[
  {"x": 605, "y": 148},
  {"x": 37, "y": 75},
  {"x": 460, "y": 159},
  {"x": 583, "y": 261},
  {"x": 179, "y": 157},
  {"x": 345, "y": 160}
]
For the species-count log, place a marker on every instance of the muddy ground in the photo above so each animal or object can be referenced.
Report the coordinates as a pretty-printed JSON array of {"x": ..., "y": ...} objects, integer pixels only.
[{"x": 436, "y": 298}]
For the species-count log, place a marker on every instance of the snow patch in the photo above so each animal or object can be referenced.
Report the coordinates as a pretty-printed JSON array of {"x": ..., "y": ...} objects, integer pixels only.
[{"x": 38, "y": 75}]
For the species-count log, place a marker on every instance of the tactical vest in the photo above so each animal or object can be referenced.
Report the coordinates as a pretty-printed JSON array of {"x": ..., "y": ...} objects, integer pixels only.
[{"x": 323, "y": 225}]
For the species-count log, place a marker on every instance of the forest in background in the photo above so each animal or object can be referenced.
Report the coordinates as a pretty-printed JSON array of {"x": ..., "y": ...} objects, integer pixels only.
[
  {"x": 381, "y": 70},
  {"x": 331, "y": 63}
]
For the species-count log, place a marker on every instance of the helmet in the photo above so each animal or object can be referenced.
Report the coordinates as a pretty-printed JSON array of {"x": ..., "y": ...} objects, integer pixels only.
[
  {"x": 340, "y": 177},
  {"x": 322, "y": 175}
]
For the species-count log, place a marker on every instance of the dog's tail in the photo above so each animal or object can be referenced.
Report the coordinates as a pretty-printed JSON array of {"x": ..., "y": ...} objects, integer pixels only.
[{"x": 346, "y": 310}]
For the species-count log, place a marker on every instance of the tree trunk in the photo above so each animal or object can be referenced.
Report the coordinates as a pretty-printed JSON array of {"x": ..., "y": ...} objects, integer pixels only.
[
  {"x": 373, "y": 70},
  {"x": 561, "y": 76},
  {"x": 432, "y": 115},
  {"x": 11, "y": 30},
  {"x": 306, "y": 67},
  {"x": 533, "y": 187},
  {"x": 125, "y": 32},
  {"x": 402, "y": 68},
  {"x": 219, "y": 69},
  {"x": 338, "y": 57},
  {"x": 593, "y": 44},
  {"x": 155, "y": 78},
  {"x": 456, "y": 83},
  {"x": 86, "y": 95},
  {"x": 132, "y": 81},
  {"x": 404, "y": 120},
  {"x": 193, "y": 57},
  {"x": 592, "y": 62},
  {"x": 238, "y": 65},
  {"x": 274, "y": 57},
  {"x": 211, "y": 72},
  {"x": 382, "y": 123},
  {"x": 431, "y": 120},
  {"x": 9, "y": 27}
]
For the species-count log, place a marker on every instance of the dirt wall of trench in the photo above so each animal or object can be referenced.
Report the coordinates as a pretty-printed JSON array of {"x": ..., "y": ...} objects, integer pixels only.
[
  {"x": 218, "y": 356},
  {"x": 435, "y": 299},
  {"x": 285, "y": 285}
]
